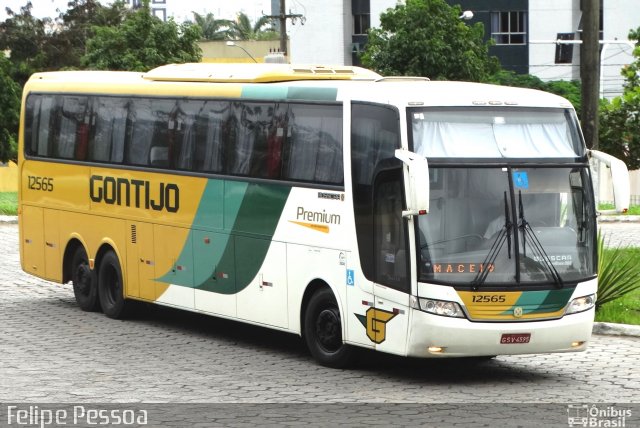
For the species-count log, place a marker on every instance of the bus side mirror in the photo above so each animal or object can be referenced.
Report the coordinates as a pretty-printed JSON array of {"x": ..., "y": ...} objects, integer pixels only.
[
  {"x": 418, "y": 185},
  {"x": 620, "y": 181}
]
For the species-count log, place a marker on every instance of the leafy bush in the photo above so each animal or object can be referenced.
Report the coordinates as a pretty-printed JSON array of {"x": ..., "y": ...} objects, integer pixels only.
[
  {"x": 618, "y": 272},
  {"x": 567, "y": 89}
]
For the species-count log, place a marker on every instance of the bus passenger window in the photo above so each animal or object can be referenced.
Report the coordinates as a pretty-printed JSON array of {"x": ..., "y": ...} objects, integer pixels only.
[
  {"x": 241, "y": 138},
  {"x": 109, "y": 127},
  {"x": 211, "y": 129},
  {"x": 183, "y": 124},
  {"x": 71, "y": 127},
  {"x": 33, "y": 137},
  {"x": 276, "y": 137},
  {"x": 148, "y": 119},
  {"x": 315, "y": 147}
]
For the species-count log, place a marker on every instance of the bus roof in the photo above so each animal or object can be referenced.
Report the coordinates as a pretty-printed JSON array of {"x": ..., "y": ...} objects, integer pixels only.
[
  {"x": 278, "y": 81},
  {"x": 256, "y": 73}
]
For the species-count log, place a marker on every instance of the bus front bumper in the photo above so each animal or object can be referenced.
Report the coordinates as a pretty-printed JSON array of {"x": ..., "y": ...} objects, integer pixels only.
[{"x": 434, "y": 336}]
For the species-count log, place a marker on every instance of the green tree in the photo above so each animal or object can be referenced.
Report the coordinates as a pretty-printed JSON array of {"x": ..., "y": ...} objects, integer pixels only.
[
  {"x": 75, "y": 26},
  {"x": 212, "y": 29},
  {"x": 45, "y": 45},
  {"x": 142, "y": 42},
  {"x": 620, "y": 118},
  {"x": 9, "y": 111},
  {"x": 25, "y": 38},
  {"x": 242, "y": 29},
  {"x": 427, "y": 38},
  {"x": 567, "y": 89}
]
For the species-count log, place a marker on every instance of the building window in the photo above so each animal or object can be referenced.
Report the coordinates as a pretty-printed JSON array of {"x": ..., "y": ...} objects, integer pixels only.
[
  {"x": 509, "y": 28},
  {"x": 564, "y": 51},
  {"x": 361, "y": 23},
  {"x": 361, "y": 11},
  {"x": 160, "y": 13}
]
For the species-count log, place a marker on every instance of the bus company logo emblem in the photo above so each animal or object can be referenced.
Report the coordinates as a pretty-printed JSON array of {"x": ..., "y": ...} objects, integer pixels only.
[
  {"x": 375, "y": 321},
  {"x": 517, "y": 312}
]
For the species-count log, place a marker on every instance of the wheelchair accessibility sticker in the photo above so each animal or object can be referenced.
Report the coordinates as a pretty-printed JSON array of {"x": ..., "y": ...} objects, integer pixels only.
[
  {"x": 350, "y": 278},
  {"x": 521, "y": 180}
]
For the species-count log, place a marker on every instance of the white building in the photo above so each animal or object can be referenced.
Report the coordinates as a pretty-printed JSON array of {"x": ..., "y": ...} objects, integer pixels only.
[
  {"x": 525, "y": 32},
  {"x": 334, "y": 30}
]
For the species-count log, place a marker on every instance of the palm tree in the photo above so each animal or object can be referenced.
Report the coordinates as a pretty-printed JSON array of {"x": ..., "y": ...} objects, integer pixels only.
[
  {"x": 241, "y": 29},
  {"x": 213, "y": 29}
]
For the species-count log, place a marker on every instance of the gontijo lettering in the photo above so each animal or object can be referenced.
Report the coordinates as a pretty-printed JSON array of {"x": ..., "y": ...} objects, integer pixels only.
[{"x": 139, "y": 193}]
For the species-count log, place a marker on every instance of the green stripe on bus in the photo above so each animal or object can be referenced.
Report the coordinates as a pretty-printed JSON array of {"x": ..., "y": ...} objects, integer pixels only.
[
  {"x": 289, "y": 93},
  {"x": 226, "y": 261},
  {"x": 536, "y": 302},
  {"x": 264, "y": 92},
  {"x": 312, "y": 94}
]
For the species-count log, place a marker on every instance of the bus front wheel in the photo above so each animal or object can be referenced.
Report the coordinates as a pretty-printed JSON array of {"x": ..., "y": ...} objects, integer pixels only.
[
  {"x": 85, "y": 288},
  {"x": 111, "y": 287},
  {"x": 323, "y": 331}
]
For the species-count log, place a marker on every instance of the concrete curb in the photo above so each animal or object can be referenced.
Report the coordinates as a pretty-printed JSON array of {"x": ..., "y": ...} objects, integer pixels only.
[
  {"x": 10, "y": 219},
  {"x": 619, "y": 219},
  {"x": 611, "y": 329}
]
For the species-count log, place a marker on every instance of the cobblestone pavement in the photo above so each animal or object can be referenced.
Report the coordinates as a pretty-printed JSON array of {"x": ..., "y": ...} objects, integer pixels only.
[
  {"x": 621, "y": 233},
  {"x": 50, "y": 351}
]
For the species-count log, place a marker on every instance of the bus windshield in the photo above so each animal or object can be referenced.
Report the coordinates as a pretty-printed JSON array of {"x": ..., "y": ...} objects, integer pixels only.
[
  {"x": 507, "y": 225},
  {"x": 495, "y": 133}
]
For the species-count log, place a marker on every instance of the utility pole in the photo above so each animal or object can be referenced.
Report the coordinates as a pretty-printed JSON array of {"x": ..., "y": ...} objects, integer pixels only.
[
  {"x": 590, "y": 70},
  {"x": 282, "y": 17}
]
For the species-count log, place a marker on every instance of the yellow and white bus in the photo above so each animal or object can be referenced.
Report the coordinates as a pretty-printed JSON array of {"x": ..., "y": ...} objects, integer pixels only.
[{"x": 419, "y": 218}]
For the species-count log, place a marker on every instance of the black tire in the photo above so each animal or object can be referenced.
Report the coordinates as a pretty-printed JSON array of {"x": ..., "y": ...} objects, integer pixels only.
[
  {"x": 85, "y": 287},
  {"x": 323, "y": 331},
  {"x": 111, "y": 287}
]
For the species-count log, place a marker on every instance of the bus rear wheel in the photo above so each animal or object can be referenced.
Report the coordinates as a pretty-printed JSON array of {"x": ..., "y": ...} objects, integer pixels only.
[
  {"x": 85, "y": 288},
  {"x": 323, "y": 331},
  {"x": 111, "y": 287}
]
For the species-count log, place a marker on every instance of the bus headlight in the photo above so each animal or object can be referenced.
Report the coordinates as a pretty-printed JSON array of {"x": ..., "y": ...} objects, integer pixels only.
[
  {"x": 581, "y": 304},
  {"x": 438, "y": 307}
]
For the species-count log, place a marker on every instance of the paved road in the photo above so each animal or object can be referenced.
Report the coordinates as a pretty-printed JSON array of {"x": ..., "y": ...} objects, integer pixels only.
[
  {"x": 621, "y": 233},
  {"x": 50, "y": 351}
]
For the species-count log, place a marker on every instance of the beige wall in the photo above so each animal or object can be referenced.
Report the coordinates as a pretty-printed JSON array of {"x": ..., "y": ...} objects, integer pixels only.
[
  {"x": 8, "y": 177},
  {"x": 218, "y": 51}
]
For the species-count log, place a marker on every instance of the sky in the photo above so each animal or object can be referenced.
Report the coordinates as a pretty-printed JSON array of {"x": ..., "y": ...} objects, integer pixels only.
[{"x": 222, "y": 9}]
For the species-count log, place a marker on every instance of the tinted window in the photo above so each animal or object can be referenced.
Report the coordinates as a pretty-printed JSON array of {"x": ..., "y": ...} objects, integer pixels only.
[
  {"x": 298, "y": 142},
  {"x": 109, "y": 129},
  {"x": 374, "y": 138},
  {"x": 149, "y": 129},
  {"x": 314, "y": 152}
]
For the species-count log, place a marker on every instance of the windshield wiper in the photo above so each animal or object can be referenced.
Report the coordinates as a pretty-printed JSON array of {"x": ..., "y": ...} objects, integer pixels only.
[
  {"x": 539, "y": 254},
  {"x": 503, "y": 235}
]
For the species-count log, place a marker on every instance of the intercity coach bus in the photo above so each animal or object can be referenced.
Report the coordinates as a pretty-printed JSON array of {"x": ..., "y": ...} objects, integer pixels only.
[{"x": 418, "y": 218}]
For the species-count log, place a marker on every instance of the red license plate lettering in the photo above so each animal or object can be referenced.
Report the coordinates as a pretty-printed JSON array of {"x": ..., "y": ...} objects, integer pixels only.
[{"x": 515, "y": 338}]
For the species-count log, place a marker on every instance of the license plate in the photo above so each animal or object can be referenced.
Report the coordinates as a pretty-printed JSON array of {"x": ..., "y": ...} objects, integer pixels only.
[{"x": 515, "y": 338}]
